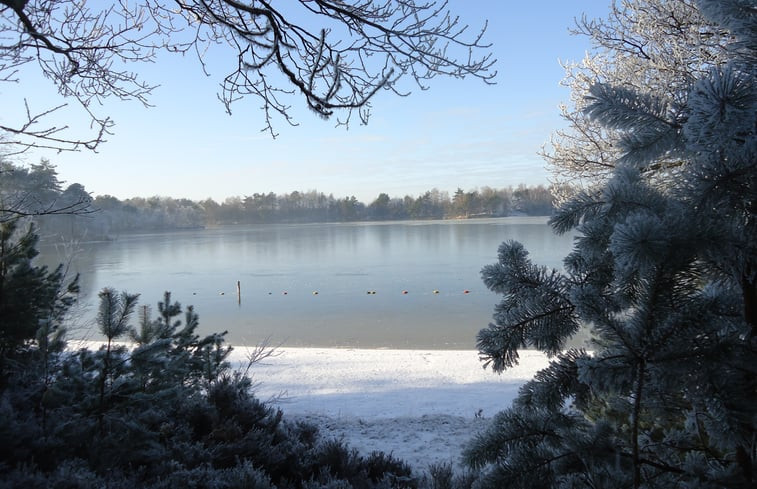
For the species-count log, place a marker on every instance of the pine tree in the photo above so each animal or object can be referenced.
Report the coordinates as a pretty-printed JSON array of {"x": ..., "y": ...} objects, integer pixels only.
[
  {"x": 171, "y": 353},
  {"x": 31, "y": 297},
  {"x": 663, "y": 270}
]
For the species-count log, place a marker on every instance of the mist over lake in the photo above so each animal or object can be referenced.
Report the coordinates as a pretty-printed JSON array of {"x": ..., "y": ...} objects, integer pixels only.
[{"x": 314, "y": 284}]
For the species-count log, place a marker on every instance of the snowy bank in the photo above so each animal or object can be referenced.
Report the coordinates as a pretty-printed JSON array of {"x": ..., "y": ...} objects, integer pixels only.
[{"x": 421, "y": 406}]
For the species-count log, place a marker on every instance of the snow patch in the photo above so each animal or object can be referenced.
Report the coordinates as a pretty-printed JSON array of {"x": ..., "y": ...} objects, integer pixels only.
[{"x": 420, "y": 406}]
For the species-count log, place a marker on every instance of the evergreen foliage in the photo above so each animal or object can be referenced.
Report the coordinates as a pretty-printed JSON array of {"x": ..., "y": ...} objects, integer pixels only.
[
  {"x": 664, "y": 272},
  {"x": 32, "y": 299}
]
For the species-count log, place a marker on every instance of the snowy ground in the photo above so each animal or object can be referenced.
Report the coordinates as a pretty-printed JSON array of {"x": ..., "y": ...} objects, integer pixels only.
[{"x": 421, "y": 406}]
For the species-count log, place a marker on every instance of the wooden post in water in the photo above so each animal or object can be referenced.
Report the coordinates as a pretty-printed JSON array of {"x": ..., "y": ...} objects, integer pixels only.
[{"x": 239, "y": 293}]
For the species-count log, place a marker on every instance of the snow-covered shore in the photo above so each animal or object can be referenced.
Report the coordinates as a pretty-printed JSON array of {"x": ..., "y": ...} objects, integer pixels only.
[{"x": 421, "y": 406}]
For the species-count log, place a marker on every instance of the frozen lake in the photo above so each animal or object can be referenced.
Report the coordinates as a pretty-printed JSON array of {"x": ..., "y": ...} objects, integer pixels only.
[{"x": 308, "y": 284}]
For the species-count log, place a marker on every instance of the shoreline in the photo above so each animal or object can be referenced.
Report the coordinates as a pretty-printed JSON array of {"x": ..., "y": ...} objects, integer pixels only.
[{"x": 421, "y": 406}]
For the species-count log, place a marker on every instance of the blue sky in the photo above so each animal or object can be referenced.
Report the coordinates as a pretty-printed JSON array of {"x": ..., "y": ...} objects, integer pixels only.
[{"x": 460, "y": 133}]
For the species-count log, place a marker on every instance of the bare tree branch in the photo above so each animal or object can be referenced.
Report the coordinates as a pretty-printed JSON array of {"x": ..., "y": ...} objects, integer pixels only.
[
  {"x": 18, "y": 210},
  {"x": 337, "y": 55},
  {"x": 37, "y": 192}
]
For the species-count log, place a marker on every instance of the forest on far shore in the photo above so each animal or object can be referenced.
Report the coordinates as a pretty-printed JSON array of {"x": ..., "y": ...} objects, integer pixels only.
[{"x": 105, "y": 216}]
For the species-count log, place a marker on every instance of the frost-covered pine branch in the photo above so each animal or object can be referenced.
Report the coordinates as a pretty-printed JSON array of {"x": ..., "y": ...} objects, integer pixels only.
[{"x": 663, "y": 270}]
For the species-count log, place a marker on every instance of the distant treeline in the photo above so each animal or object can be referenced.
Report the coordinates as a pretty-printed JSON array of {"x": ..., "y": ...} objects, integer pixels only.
[{"x": 37, "y": 189}]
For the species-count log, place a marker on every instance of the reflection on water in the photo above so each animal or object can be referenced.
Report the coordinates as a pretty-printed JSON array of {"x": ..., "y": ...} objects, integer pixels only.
[{"x": 281, "y": 266}]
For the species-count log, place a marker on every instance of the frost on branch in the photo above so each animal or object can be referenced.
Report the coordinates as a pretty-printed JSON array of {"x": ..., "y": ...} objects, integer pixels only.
[
  {"x": 663, "y": 269},
  {"x": 335, "y": 55}
]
